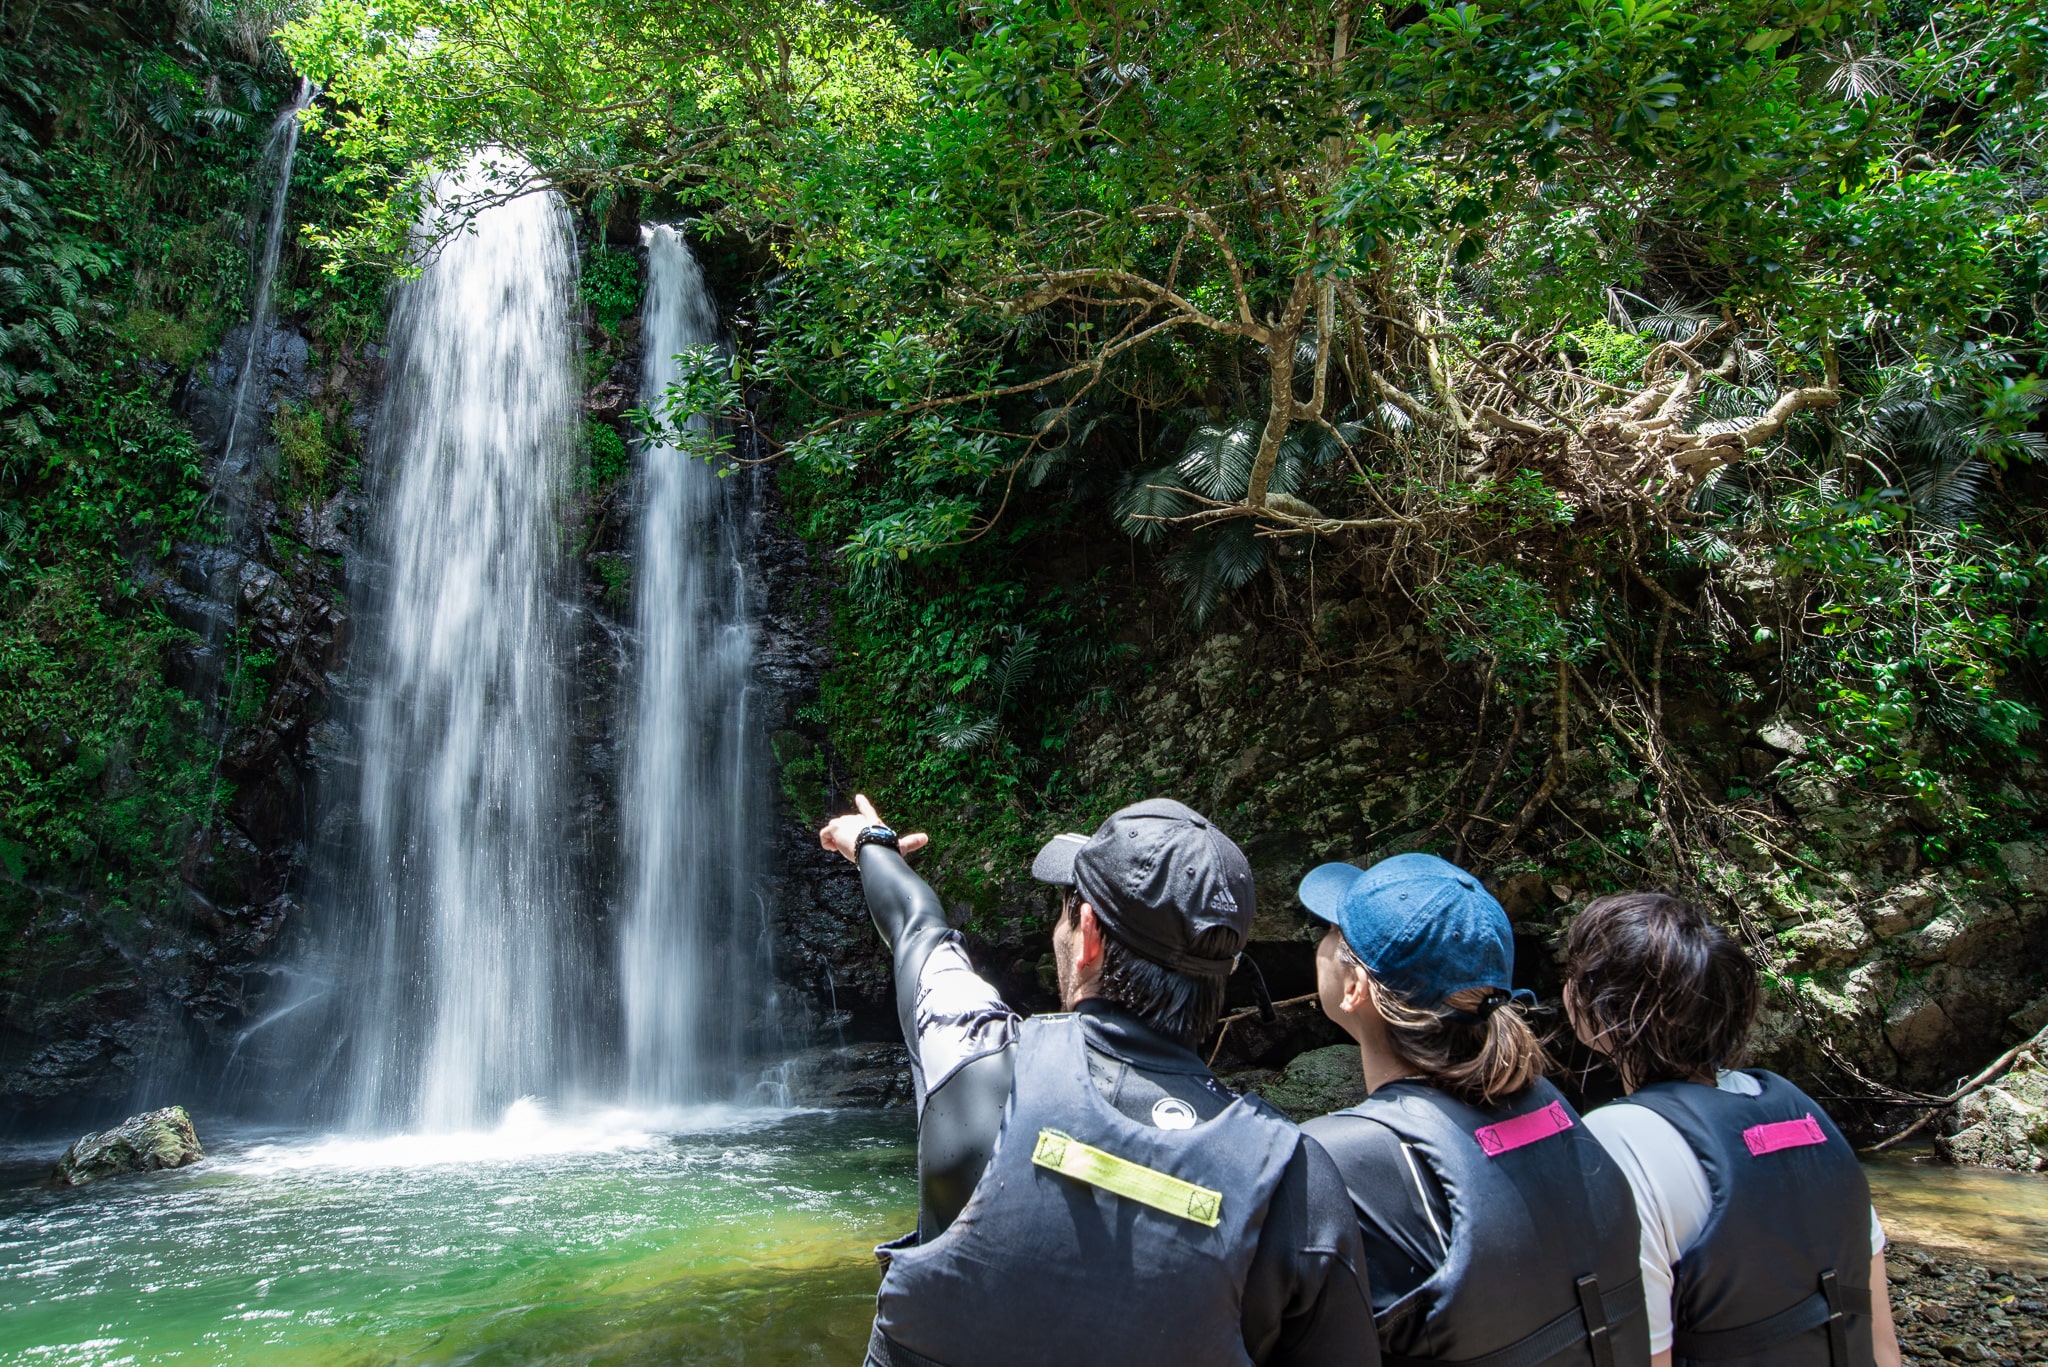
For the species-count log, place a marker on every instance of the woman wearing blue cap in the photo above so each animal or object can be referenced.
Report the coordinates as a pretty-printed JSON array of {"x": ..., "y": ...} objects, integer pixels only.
[{"x": 1497, "y": 1230}]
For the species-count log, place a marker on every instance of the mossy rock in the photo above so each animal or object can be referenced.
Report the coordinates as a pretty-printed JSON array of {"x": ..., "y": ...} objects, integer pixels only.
[
  {"x": 1318, "y": 1082},
  {"x": 141, "y": 1143}
]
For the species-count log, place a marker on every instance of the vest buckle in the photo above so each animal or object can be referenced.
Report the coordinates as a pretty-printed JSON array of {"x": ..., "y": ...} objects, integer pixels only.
[
  {"x": 1838, "y": 1323},
  {"x": 1594, "y": 1310}
]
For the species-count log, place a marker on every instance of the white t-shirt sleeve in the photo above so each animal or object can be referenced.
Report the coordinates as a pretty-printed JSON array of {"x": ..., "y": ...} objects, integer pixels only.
[{"x": 1673, "y": 1199}]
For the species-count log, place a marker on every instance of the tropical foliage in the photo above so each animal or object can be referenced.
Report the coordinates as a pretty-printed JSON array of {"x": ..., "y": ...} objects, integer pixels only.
[
  {"x": 128, "y": 138},
  {"x": 1570, "y": 318}
]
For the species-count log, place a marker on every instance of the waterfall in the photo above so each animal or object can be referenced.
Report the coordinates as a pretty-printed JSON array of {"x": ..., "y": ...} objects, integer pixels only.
[
  {"x": 230, "y": 487},
  {"x": 279, "y": 151},
  {"x": 691, "y": 946},
  {"x": 463, "y": 979}
]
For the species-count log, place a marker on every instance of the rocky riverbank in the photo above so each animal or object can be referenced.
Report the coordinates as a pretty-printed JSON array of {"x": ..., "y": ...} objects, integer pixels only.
[{"x": 1949, "y": 1309}]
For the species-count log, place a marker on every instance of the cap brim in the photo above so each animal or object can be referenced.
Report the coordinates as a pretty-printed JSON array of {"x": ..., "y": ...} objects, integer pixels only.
[
  {"x": 1323, "y": 890},
  {"x": 1055, "y": 862}
]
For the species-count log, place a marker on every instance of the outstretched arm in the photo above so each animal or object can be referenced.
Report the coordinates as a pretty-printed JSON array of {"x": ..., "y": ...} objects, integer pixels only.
[
  {"x": 906, "y": 911},
  {"x": 956, "y": 1026}
]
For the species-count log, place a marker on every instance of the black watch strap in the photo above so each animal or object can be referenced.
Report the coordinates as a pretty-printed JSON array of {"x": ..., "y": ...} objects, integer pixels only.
[{"x": 874, "y": 835}]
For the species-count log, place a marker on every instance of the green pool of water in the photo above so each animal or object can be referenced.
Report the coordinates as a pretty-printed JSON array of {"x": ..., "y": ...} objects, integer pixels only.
[
  {"x": 707, "y": 1237},
  {"x": 713, "y": 1237}
]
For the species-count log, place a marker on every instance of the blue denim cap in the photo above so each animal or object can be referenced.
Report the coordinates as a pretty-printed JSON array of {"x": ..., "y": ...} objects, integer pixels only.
[{"x": 1422, "y": 925}]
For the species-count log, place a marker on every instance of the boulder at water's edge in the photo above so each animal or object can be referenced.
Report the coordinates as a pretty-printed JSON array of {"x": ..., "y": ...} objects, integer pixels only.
[{"x": 141, "y": 1143}]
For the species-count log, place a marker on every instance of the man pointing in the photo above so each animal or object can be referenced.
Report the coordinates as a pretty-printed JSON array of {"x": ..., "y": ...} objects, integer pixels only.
[{"x": 1089, "y": 1191}]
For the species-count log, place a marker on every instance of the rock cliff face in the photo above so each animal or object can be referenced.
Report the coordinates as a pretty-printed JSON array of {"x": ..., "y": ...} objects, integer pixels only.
[
  {"x": 1880, "y": 965},
  {"x": 103, "y": 1008},
  {"x": 1885, "y": 972}
]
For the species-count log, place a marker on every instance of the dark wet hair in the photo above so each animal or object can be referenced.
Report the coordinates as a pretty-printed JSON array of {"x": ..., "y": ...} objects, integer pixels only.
[
  {"x": 1181, "y": 1006},
  {"x": 1658, "y": 988}
]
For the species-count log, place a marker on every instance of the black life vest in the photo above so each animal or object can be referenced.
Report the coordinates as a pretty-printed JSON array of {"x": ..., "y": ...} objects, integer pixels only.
[
  {"x": 1780, "y": 1276},
  {"x": 1544, "y": 1263},
  {"x": 1091, "y": 1237}
]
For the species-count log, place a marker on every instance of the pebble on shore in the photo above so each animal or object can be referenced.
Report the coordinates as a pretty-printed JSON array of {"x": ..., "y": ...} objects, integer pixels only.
[{"x": 1950, "y": 1309}]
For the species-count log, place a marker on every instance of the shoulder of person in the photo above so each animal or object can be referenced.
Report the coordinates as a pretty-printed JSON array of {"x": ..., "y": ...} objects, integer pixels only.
[
  {"x": 1625, "y": 1129},
  {"x": 1741, "y": 1082},
  {"x": 1359, "y": 1145}
]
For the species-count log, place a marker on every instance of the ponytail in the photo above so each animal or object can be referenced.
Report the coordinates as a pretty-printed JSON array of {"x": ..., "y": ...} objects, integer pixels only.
[{"x": 1478, "y": 1047}]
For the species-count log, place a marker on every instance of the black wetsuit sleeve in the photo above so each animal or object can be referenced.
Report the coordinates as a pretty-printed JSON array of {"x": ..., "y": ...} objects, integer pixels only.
[
  {"x": 957, "y": 1127},
  {"x": 1404, "y": 1217},
  {"x": 910, "y": 920},
  {"x": 1306, "y": 1298}
]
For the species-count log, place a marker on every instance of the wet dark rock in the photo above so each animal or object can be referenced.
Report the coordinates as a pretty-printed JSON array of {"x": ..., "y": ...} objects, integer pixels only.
[
  {"x": 142, "y": 1143},
  {"x": 827, "y": 952},
  {"x": 102, "y": 989},
  {"x": 852, "y": 1075}
]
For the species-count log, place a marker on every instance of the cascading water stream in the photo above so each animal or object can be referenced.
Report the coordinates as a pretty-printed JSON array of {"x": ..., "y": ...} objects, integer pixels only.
[
  {"x": 280, "y": 151},
  {"x": 233, "y": 475},
  {"x": 689, "y": 950},
  {"x": 465, "y": 980}
]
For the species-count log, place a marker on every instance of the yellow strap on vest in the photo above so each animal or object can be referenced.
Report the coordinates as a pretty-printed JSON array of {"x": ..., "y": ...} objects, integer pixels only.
[{"x": 1134, "y": 1181}]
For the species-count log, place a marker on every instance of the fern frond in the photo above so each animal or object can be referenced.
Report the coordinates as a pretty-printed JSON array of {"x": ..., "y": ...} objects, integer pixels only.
[{"x": 953, "y": 729}]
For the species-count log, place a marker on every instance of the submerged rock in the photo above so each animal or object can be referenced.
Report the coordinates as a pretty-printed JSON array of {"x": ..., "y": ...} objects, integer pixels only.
[
  {"x": 1951, "y": 1310},
  {"x": 141, "y": 1143}
]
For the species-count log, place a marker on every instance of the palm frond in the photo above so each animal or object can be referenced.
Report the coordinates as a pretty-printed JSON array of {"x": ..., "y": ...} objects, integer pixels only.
[
  {"x": 1146, "y": 495},
  {"x": 1014, "y": 669},
  {"x": 1217, "y": 460},
  {"x": 1946, "y": 492},
  {"x": 1213, "y": 563},
  {"x": 1860, "y": 77}
]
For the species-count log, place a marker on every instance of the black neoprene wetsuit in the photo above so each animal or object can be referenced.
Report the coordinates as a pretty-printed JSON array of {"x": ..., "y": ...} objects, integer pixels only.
[{"x": 1305, "y": 1299}]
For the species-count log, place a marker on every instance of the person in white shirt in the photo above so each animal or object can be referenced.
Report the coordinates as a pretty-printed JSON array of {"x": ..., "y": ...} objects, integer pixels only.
[{"x": 1759, "y": 1244}]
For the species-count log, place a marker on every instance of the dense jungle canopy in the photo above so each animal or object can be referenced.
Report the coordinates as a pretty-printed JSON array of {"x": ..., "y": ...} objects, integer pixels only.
[{"x": 1618, "y": 351}]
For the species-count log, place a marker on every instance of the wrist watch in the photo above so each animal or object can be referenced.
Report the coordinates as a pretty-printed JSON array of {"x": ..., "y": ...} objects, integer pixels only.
[{"x": 873, "y": 835}]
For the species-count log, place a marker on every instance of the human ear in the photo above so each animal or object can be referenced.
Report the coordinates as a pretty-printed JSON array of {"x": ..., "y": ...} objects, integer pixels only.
[
  {"x": 1358, "y": 993},
  {"x": 1087, "y": 940},
  {"x": 1581, "y": 1028}
]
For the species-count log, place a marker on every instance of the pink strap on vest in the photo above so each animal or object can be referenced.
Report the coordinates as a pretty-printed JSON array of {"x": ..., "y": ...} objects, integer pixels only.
[
  {"x": 1783, "y": 1134},
  {"x": 1504, "y": 1135}
]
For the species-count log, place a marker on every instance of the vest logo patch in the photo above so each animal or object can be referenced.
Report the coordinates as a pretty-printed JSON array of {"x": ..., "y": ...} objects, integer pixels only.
[
  {"x": 1783, "y": 1134},
  {"x": 1162, "y": 1191},
  {"x": 1522, "y": 1130},
  {"x": 1171, "y": 1113}
]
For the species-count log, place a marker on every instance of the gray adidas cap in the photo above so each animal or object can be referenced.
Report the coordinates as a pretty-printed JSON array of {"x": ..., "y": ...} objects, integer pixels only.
[{"x": 1158, "y": 874}]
